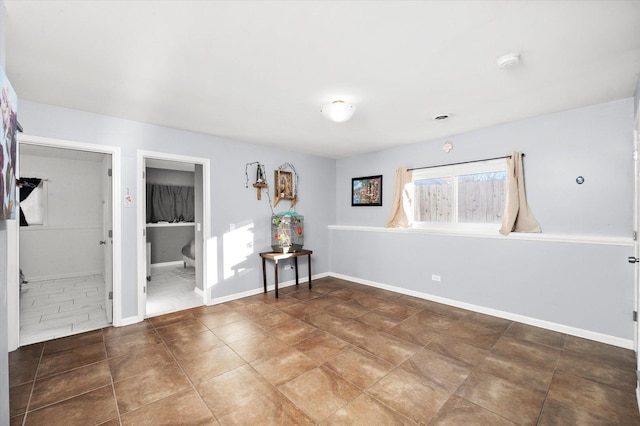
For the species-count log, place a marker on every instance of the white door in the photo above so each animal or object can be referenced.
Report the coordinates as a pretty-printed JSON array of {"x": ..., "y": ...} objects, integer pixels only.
[{"x": 107, "y": 236}]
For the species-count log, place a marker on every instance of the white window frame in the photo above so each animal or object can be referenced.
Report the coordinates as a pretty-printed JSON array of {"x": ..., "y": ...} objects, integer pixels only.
[{"x": 454, "y": 171}]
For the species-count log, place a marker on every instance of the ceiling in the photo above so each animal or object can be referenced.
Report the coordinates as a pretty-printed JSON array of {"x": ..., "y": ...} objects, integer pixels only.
[{"x": 260, "y": 71}]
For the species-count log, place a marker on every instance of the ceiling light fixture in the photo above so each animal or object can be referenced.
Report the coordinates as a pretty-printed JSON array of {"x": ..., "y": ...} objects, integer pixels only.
[
  {"x": 338, "y": 111},
  {"x": 509, "y": 60}
]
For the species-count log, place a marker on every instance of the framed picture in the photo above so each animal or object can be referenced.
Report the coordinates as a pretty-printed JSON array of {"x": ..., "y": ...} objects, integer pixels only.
[
  {"x": 284, "y": 184},
  {"x": 366, "y": 191},
  {"x": 8, "y": 144}
]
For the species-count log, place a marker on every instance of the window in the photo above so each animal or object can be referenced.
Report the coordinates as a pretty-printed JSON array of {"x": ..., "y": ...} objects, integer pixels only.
[
  {"x": 468, "y": 195},
  {"x": 34, "y": 207}
]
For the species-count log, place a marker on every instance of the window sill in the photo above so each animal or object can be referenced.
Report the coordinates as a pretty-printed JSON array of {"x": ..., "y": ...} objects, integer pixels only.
[
  {"x": 514, "y": 236},
  {"x": 169, "y": 224}
]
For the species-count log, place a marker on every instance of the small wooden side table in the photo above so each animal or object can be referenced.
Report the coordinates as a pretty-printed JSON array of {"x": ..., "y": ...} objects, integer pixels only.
[{"x": 276, "y": 257}]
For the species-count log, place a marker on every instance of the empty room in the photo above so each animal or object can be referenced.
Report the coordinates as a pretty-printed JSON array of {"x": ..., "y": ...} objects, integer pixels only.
[{"x": 319, "y": 212}]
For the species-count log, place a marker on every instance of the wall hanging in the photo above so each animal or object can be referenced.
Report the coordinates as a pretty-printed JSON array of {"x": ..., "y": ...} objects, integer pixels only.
[
  {"x": 286, "y": 184},
  {"x": 366, "y": 191},
  {"x": 261, "y": 180},
  {"x": 8, "y": 145}
]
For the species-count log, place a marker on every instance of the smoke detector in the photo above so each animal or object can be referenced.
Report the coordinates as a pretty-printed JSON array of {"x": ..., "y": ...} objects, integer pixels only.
[{"x": 509, "y": 60}]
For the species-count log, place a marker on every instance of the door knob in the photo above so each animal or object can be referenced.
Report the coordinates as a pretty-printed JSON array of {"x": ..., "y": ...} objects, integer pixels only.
[
  {"x": 633, "y": 259},
  {"x": 103, "y": 243}
]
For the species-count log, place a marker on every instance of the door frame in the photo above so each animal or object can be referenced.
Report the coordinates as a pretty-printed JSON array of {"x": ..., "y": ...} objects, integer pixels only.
[
  {"x": 13, "y": 289},
  {"x": 636, "y": 246},
  {"x": 142, "y": 156}
]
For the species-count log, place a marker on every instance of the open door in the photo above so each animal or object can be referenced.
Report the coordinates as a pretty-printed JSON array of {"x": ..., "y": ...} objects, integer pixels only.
[
  {"x": 635, "y": 260},
  {"x": 107, "y": 235}
]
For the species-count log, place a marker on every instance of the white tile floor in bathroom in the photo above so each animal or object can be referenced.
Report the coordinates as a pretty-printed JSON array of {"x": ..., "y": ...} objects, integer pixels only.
[
  {"x": 171, "y": 289},
  {"x": 55, "y": 308},
  {"x": 60, "y": 307}
]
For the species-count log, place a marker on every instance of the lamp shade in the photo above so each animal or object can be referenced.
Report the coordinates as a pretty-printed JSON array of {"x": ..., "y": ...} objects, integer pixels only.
[{"x": 338, "y": 111}]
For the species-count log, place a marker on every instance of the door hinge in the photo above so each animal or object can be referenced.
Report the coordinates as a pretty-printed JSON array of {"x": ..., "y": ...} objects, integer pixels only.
[
  {"x": 109, "y": 172},
  {"x": 144, "y": 289},
  {"x": 635, "y": 316},
  {"x": 143, "y": 174},
  {"x": 144, "y": 232},
  {"x": 110, "y": 295},
  {"x": 635, "y": 235},
  {"x": 110, "y": 233}
]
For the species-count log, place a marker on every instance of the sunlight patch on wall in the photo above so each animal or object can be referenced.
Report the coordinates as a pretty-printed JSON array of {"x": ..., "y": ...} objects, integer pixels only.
[{"x": 237, "y": 246}]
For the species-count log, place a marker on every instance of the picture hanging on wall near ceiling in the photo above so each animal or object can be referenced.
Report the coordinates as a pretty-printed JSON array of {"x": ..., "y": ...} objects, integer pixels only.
[
  {"x": 8, "y": 144},
  {"x": 366, "y": 191}
]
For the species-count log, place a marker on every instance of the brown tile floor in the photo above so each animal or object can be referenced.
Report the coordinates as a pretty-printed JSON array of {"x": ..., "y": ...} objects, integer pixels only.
[{"x": 341, "y": 353}]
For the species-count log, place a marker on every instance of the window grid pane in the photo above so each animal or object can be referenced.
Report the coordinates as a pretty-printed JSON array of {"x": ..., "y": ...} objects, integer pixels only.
[
  {"x": 433, "y": 200},
  {"x": 481, "y": 197}
]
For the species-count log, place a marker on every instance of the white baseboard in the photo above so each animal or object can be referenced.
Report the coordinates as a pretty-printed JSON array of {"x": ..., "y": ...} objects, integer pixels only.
[
  {"x": 560, "y": 328},
  {"x": 272, "y": 287},
  {"x": 62, "y": 276},
  {"x": 128, "y": 321},
  {"x": 172, "y": 263}
]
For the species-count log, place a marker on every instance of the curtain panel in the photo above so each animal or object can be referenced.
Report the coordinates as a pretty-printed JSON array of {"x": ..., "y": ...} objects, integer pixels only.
[
  {"x": 170, "y": 203},
  {"x": 27, "y": 185},
  {"x": 401, "y": 207},
  {"x": 517, "y": 215}
]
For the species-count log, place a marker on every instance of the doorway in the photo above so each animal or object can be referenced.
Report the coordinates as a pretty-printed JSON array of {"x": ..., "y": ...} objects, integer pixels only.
[
  {"x": 173, "y": 216},
  {"x": 66, "y": 247}
]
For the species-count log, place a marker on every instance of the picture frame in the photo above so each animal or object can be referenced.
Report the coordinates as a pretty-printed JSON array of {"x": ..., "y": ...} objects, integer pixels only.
[
  {"x": 366, "y": 191},
  {"x": 283, "y": 186},
  {"x": 8, "y": 145}
]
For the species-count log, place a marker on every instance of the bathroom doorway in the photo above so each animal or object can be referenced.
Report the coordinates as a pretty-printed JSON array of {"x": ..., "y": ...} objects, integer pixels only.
[{"x": 66, "y": 246}]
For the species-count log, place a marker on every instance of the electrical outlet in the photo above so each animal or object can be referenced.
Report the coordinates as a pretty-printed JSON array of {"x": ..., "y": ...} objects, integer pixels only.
[{"x": 435, "y": 277}]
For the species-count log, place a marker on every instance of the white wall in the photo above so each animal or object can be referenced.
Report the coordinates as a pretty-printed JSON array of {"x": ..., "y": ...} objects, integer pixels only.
[
  {"x": 68, "y": 245},
  {"x": 584, "y": 285}
]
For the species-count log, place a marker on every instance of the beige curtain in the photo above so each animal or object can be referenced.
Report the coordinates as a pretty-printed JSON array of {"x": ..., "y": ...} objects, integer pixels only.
[
  {"x": 401, "y": 201},
  {"x": 517, "y": 215}
]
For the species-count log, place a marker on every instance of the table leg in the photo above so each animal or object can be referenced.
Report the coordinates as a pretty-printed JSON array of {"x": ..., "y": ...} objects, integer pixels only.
[
  {"x": 275, "y": 268},
  {"x": 264, "y": 273},
  {"x": 309, "y": 261},
  {"x": 295, "y": 260}
]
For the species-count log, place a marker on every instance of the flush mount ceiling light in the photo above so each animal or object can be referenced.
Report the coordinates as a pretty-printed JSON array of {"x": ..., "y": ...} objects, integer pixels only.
[
  {"x": 509, "y": 60},
  {"x": 338, "y": 111}
]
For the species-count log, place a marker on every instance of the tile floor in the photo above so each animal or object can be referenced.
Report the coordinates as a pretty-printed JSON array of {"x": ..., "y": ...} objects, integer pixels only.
[
  {"x": 56, "y": 308},
  {"x": 341, "y": 353},
  {"x": 171, "y": 289}
]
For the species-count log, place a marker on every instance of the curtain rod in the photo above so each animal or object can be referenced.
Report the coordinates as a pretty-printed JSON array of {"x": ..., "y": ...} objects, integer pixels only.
[{"x": 462, "y": 162}]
